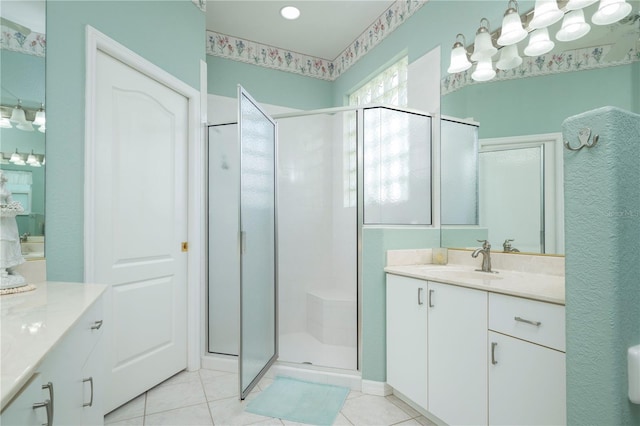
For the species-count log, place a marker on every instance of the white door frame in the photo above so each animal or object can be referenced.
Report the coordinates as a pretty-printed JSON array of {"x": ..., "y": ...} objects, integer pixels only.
[
  {"x": 97, "y": 41},
  {"x": 554, "y": 175}
]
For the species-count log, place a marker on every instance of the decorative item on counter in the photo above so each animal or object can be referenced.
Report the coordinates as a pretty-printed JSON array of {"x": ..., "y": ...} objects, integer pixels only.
[
  {"x": 10, "y": 250},
  {"x": 440, "y": 256}
]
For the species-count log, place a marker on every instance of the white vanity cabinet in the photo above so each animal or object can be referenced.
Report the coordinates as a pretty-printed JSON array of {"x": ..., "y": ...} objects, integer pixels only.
[
  {"x": 527, "y": 380},
  {"x": 436, "y": 347},
  {"x": 472, "y": 356},
  {"x": 457, "y": 354},
  {"x": 74, "y": 370},
  {"x": 29, "y": 407},
  {"x": 407, "y": 337}
]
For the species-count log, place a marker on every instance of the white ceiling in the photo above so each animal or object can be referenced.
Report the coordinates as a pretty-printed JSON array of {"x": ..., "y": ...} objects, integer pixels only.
[{"x": 325, "y": 28}]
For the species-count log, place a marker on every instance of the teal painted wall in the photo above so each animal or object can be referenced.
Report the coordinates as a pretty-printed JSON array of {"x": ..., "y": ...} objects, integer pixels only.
[
  {"x": 435, "y": 24},
  {"x": 168, "y": 33},
  {"x": 267, "y": 85},
  {"x": 602, "y": 217},
  {"x": 22, "y": 78},
  {"x": 540, "y": 104},
  {"x": 376, "y": 242}
]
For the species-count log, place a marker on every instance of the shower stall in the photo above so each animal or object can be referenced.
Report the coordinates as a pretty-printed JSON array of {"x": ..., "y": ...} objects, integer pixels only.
[{"x": 338, "y": 170}]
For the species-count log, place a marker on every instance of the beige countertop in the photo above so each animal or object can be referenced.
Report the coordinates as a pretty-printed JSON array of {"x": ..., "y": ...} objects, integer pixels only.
[
  {"x": 33, "y": 323},
  {"x": 542, "y": 287}
]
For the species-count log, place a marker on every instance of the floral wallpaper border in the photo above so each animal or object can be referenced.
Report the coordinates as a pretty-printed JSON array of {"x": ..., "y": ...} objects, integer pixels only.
[
  {"x": 32, "y": 44},
  {"x": 238, "y": 49},
  {"x": 570, "y": 60}
]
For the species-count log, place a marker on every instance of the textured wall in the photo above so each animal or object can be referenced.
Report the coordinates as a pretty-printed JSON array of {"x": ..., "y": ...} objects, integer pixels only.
[{"x": 602, "y": 219}]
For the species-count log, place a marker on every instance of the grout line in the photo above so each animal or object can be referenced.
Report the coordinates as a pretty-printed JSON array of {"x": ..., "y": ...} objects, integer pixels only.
[{"x": 206, "y": 399}]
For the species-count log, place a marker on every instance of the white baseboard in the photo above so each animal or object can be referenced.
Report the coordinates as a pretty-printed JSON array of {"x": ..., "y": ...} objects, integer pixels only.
[
  {"x": 376, "y": 388},
  {"x": 220, "y": 363}
]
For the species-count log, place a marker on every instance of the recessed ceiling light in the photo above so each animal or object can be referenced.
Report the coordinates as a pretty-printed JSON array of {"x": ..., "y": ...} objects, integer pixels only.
[{"x": 290, "y": 12}]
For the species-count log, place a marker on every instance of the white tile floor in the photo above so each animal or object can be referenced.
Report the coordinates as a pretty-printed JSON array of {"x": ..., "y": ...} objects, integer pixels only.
[{"x": 209, "y": 397}]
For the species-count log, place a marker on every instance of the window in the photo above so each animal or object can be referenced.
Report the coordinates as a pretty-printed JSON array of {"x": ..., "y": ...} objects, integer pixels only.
[{"x": 389, "y": 88}]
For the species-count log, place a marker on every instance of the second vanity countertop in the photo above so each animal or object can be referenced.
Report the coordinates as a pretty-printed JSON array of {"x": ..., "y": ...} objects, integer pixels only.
[
  {"x": 541, "y": 287},
  {"x": 33, "y": 323}
]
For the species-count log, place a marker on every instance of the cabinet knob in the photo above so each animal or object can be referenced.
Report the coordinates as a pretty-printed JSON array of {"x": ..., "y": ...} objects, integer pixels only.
[{"x": 96, "y": 325}]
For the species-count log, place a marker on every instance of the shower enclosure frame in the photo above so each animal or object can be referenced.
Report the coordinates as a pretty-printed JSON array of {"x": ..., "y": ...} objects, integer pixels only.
[{"x": 359, "y": 113}]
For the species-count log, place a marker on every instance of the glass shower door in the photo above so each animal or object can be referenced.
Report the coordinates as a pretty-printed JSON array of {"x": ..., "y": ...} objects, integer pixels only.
[{"x": 258, "y": 287}]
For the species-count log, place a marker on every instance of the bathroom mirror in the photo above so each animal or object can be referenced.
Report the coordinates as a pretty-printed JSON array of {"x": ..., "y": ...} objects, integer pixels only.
[
  {"x": 520, "y": 115},
  {"x": 22, "y": 50}
]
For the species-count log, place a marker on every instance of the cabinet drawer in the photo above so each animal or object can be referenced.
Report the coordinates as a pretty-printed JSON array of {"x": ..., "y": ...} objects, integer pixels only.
[{"x": 537, "y": 322}]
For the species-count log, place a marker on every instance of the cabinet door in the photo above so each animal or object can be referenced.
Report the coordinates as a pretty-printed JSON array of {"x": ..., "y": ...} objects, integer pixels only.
[
  {"x": 527, "y": 384},
  {"x": 407, "y": 337},
  {"x": 457, "y": 354},
  {"x": 21, "y": 410}
]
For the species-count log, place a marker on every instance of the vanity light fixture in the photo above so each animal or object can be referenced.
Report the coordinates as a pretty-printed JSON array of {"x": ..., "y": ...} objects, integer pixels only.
[
  {"x": 17, "y": 115},
  {"x": 611, "y": 11},
  {"x": 26, "y": 126},
  {"x": 509, "y": 58},
  {"x": 23, "y": 118},
  {"x": 546, "y": 12},
  {"x": 573, "y": 26},
  {"x": 31, "y": 159},
  {"x": 484, "y": 70},
  {"x": 40, "y": 117},
  {"x": 17, "y": 159},
  {"x": 459, "y": 57},
  {"x": 579, "y": 4},
  {"x": 539, "y": 43},
  {"x": 483, "y": 46},
  {"x": 290, "y": 12},
  {"x": 512, "y": 31}
]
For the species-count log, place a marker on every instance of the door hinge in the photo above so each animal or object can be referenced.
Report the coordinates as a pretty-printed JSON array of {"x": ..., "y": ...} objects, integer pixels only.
[{"x": 185, "y": 246}]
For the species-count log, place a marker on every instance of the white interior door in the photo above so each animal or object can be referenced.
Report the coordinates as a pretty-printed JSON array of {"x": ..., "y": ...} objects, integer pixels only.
[{"x": 141, "y": 198}]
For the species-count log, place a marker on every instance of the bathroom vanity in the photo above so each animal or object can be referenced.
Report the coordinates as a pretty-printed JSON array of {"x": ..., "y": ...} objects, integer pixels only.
[
  {"x": 52, "y": 355},
  {"x": 470, "y": 347}
]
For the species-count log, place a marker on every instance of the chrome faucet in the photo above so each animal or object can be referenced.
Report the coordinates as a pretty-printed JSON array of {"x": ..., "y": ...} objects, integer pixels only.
[
  {"x": 507, "y": 247},
  {"x": 24, "y": 237},
  {"x": 486, "y": 256}
]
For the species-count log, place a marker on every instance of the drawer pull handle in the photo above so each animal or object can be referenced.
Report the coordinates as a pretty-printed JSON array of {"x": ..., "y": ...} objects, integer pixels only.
[
  {"x": 493, "y": 353},
  {"x": 49, "y": 387},
  {"x": 536, "y": 323},
  {"x": 431, "y": 305},
  {"x": 49, "y": 407},
  {"x": 96, "y": 325},
  {"x": 420, "y": 301},
  {"x": 90, "y": 403}
]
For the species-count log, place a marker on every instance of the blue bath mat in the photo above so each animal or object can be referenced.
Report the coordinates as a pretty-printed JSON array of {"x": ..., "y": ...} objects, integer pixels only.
[{"x": 300, "y": 401}]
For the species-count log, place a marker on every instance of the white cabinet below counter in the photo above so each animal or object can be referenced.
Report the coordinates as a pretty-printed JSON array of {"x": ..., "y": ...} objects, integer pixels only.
[
  {"x": 61, "y": 357},
  {"x": 455, "y": 353}
]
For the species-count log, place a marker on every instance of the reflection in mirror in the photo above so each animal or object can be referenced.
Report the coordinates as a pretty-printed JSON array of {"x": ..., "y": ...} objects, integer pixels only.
[
  {"x": 23, "y": 119},
  {"x": 521, "y": 112}
]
